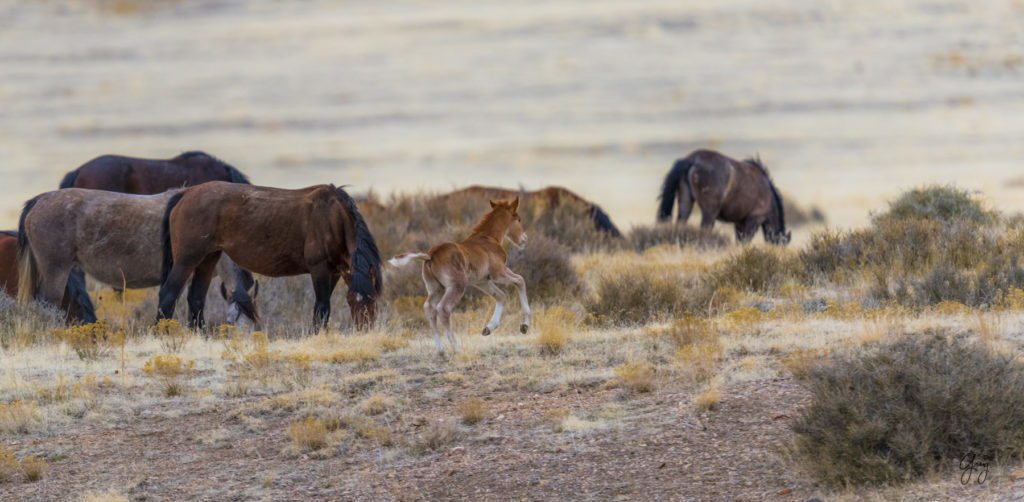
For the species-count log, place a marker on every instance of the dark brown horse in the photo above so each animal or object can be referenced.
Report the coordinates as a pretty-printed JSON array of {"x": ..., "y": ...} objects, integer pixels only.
[
  {"x": 116, "y": 173},
  {"x": 553, "y": 197},
  {"x": 727, "y": 190},
  {"x": 75, "y": 300},
  {"x": 274, "y": 232}
]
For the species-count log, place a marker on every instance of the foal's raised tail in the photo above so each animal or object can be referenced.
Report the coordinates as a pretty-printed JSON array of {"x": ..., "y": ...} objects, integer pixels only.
[
  {"x": 404, "y": 259},
  {"x": 676, "y": 176},
  {"x": 28, "y": 270}
]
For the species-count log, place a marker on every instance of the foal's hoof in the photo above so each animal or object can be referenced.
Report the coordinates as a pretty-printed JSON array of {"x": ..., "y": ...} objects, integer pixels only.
[
  {"x": 523, "y": 328},
  {"x": 486, "y": 331}
]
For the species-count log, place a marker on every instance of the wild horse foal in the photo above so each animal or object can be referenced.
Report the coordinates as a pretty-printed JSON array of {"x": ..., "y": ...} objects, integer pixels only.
[{"x": 478, "y": 261}]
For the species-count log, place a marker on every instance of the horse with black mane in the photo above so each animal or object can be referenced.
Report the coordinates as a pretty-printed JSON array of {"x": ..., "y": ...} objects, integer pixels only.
[
  {"x": 117, "y": 173},
  {"x": 726, "y": 189},
  {"x": 275, "y": 232},
  {"x": 75, "y": 301},
  {"x": 553, "y": 197},
  {"x": 114, "y": 237}
]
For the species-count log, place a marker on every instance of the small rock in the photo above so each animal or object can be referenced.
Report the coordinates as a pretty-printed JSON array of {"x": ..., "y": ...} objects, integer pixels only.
[
  {"x": 785, "y": 491},
  {"x": 458, "y": 450}
]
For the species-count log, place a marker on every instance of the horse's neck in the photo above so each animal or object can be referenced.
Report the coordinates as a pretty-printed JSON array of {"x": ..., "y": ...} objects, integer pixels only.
[{"x": 491, "y": 228}]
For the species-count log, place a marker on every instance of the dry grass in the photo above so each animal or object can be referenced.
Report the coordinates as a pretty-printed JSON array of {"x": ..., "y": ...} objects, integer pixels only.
[
  {"x": 170, "y": 371},
  {"x": 19, "y": 417},
  {"x": 636, "y": 376},
  {"x": 708, "y": 399},
  {"x": 308, "y": 433},
  {"x": 471, "y": 410},
  {"x": 554, "y": 327},
  {"x": 107, "y": 496}
]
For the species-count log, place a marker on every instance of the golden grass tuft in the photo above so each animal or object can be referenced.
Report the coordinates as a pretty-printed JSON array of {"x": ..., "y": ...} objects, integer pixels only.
[
  {"x": 308, "y": 433},
  {"x": 377, "y": 404},
  {"x": 19, "y": 416},
  {"x": 10, "y": 468},
  {"x": 171, "y": 334},
  {"x": 555, "y": 418},
  {"x": 90, "y": 341},
  {"x": 169, "y": 371},
  {"x": 700, "y": 361},
  {"x": 709, "y": 399},
  {"x": 553, "y": 327},
  {"x": 471, "y": 410},
  {"x": 801, "y": 362},
  {"x": 636, "y": 376},
  {"x": 33, "y": 468}
]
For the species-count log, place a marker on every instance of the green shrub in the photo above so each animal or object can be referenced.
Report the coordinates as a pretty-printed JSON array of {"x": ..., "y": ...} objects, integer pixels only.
[
  {"x": 547, "y": 269},
  {"x": 894, "y": 412},
  {"x": 755, "y": 268},
  {"x": 645, "y": 237},
  {"x": 938, "y": 203},
  {"x": 643, "y": 294}
]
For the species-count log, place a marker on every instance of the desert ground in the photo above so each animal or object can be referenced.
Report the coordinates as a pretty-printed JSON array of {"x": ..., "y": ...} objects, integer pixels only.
[{"x": 667, "y": 364}]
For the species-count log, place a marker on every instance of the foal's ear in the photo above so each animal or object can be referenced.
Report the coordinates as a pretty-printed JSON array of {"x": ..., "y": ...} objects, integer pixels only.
[
  {"x": 493, "y": 204},
  {"x": 515, "y": 204}
]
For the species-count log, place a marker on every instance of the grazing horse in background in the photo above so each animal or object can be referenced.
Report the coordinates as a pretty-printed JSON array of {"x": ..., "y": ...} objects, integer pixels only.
[
  {"x": 75, "y": 302},
  {"x": 554, "y": 196},
  {"x": 478, "y": 261},
  {"x": 114, "y": 237},
  {"x": 727, "y": 190},
  {"x": 274, "y": 232},
  {"x": 116, "y": 173}
]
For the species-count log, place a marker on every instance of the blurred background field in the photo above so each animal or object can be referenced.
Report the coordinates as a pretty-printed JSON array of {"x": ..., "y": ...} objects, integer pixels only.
[{"x": 849, "y": 103}]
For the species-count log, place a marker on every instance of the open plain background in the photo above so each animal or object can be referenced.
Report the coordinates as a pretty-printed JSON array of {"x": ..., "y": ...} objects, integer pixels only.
[{"x": 849, "y": 103}]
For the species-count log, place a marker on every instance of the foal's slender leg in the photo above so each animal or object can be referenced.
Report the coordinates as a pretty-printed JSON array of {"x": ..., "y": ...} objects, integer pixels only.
[
  {"x": 510, "y": 277},
  {"x": 452, "y": 295},
  {"x": 197, "y": 290},
  {"x": 499, "y": 304},
  {"x": 434, "y": 293},
  {"x": 324, "y": 282}
]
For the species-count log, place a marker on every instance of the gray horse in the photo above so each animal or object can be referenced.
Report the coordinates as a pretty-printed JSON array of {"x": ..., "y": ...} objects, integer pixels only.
[{"x": 114, "y": 237}]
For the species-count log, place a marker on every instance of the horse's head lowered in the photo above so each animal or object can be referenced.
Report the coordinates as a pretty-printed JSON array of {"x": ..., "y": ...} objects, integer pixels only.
[{"x": 514, "y": 231}]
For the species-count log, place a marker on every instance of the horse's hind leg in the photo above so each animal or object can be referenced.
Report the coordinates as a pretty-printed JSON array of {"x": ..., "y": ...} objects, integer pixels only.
[
  {"x": 53, "y": 282},
  {"x": 197, "y": 290},
  {"x": 452, "y": 295},
  {"x": 430, "y": 307},
  {"x": 324, "y": 283},
  {"x": 170, "y": 290},
  {"x": 499, "y": 304},
  {"x": 511, "y": 277}
]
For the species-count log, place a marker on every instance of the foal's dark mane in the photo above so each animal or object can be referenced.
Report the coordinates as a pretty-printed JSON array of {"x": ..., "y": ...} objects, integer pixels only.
[
  {"x": 776, "y": 198},
  {"x": 236, "y": 175},
  {"x": 366, "y": 258}
]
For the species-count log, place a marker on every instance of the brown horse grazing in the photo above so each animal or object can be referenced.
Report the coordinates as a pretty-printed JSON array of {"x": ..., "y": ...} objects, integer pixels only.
[
  {"x": 478, "y": 261},
  {"x": 553, "y": 196},
  {"x": 727, "y": 190},
  {"x": 76, "y": 300},
  {"x": 274, "y": 232},
  {"x": 114, "y": 237},
  {"x": 116, "y": 173}
]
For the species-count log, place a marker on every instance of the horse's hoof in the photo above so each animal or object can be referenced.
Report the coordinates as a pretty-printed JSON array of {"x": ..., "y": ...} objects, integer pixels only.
[
  {"x": 486, "y": 331},
  {"x": 523, "y": 328}
]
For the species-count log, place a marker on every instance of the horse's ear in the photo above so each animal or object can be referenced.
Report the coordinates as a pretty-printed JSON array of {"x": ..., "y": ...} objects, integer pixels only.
[
  {"x": 255, "y": 289},
  {"x": 515, "y": 204},
  {"x": 223, "y": 292},
  {"x": 493, "y": 204}
]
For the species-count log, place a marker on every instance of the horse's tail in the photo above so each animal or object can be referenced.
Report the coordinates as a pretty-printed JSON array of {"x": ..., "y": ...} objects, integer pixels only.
[
  {"x": 401, "y": 260},
  {"x": 165, "y": 232},
  {"x": 603, "y": 222},
  {"x": 777, "y": 200},
  {"x": 366, "y": 279},
  {"x": 78, "y": 296},
  {"x": 28, "y": 270},
  {"x": 69, "y": 179},
  {"x": 676, "y": 176}
]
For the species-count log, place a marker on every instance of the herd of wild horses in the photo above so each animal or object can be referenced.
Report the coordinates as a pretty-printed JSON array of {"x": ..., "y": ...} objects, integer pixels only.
[{"x": 137, "y": 223}]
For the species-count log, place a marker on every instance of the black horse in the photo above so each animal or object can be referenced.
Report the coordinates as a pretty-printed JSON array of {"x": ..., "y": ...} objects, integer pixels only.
[
  {"x": 116, "y": 173},
  {"x": 727, "y": 190}
]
